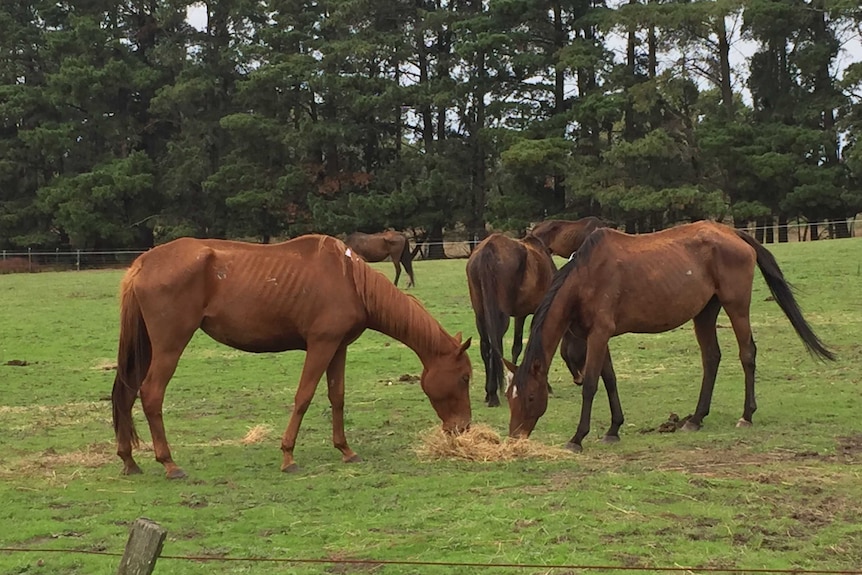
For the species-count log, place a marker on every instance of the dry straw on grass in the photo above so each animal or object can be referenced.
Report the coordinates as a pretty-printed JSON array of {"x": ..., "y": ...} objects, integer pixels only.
[
  {"x": 256, "y": 434},
  {"x": 482, "y": 443}
]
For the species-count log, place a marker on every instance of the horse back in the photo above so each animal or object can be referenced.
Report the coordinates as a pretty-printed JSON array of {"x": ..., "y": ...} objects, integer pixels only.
[
  {"x": 250, "y": 296},
  {"x": 650, "y": 283}
]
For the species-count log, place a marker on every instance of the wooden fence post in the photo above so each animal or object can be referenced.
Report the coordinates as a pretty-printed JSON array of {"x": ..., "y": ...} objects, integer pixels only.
[{"x": 143, "y": 548}]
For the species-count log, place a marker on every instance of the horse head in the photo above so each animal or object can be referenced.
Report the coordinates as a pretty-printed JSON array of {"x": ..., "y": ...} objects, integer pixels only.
[
  {"x": 446, "y": 382},
  {"x": 527, "y": 394}
]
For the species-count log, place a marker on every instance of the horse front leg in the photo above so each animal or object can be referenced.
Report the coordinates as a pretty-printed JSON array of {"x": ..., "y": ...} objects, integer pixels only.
[
  {"x": 518, "y": 338},
  {"x": 596, "y": 351},
  {"x": 317, "y": 358},
  {"x": 335, "y": 385}
]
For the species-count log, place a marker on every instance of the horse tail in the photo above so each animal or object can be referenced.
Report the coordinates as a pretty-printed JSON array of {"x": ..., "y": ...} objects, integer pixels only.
[
  {"x": 407, "y": 260},
  {"x": 133, "y": 358},
  {"x": 782, "y": 292},
  {"x": 493, "y": 317}
]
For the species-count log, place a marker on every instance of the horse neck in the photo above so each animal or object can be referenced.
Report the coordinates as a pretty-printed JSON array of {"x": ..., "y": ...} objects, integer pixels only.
[
  {"x": 558, "y": 318},
  {"x": 399, "y": 316}
]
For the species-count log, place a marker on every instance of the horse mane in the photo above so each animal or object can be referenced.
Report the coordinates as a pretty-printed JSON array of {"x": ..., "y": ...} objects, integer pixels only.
[
  {"x": 394, "y": 312},
  {"x": 580, "y": 258}
]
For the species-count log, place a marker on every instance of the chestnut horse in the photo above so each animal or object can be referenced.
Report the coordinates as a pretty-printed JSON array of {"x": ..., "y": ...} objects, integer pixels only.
[
  {"x": 311, "y": 293},
  {"x": 378, "y": 247},
  {"x": 564, "y": 237},
  {"x": 618, "y": 283},
  {"x": 506, "y": 278}
]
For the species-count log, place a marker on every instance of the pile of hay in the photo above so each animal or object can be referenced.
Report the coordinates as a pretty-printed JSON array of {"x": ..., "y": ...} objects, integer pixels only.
[{"x": 481, "y": 443}]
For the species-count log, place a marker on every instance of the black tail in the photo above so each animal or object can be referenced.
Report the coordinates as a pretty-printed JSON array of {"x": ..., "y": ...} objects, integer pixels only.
[
  {"x": 493, "y": 318},
  {"x": 407, "y": 262},
  {"x": 783, "y": 294},
  {"x": 133, "y": 361}
]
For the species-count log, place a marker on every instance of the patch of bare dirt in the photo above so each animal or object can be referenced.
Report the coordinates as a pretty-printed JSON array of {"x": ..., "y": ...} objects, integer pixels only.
[
  {"x": 408, "y": 378},
  {"x": 850, "y": 445},
  {"x": 17, "y": 363}
]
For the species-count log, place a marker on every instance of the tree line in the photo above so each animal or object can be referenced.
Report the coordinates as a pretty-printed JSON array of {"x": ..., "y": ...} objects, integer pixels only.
[{"x": 122, "y": 125}]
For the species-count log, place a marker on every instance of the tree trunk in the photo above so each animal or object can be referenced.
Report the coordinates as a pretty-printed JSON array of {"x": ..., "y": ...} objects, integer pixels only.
[
  {"x": 724, "y": 67},
  {"x": 435, "y": 243},
  {"x": 782, "y": 229},
  {"x": 842, "y": 230}
]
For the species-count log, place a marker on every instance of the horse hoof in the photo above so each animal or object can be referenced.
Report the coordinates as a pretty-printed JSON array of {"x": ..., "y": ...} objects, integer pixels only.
[
  {"x": 292, "y": 468},
  {"x": 176, "y": 474},
  {"x": 493, "y": 402},
  {"x": 132, "y": 469},
  {"x": 743, "y": 423},
  {"x": 352, "y": 459},
  {"x": 574, "y": 447},
  {"x": 611, "y": 439},
  {"x": 690, "y": 426}
]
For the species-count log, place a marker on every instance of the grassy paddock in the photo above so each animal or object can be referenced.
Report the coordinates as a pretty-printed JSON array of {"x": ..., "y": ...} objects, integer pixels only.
[{"x": 785, "y": 493}]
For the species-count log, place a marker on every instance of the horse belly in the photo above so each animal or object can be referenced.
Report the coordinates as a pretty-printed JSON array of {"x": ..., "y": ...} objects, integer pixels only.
[
  {"x": 663, "y": 312},
  {"x": 256, "y": 335}
]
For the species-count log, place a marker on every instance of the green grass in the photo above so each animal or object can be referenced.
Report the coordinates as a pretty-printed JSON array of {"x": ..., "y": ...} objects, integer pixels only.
[{"x": 785, "y": 493}]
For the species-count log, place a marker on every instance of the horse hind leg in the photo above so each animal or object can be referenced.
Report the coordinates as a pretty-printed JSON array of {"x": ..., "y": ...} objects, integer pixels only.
[
  {"x": 335, "y": 385},
  {"x": 153, "y": 389},
  {"x": 397, "y": 270},
  {"x": 739, "y": 319},
  {"x": 609, "y": 377},
  {"x": 124, "y": 437},
  {"x": 710, "y": 354}
]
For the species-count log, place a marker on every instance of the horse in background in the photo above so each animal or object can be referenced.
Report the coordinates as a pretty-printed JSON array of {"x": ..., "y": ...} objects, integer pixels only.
[
  {"x": 377, "y": 247},
  {"x": 651, "y": 283},
  {"x": 564, "y": 237},
  {"x": 311, "y": 293},
  {"x": 506, "y": 278}
]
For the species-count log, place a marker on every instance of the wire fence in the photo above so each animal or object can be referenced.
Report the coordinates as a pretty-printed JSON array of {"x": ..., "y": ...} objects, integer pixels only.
[
  {"x": 12, "y": 261},
  {"x": 455, "y": 564}
]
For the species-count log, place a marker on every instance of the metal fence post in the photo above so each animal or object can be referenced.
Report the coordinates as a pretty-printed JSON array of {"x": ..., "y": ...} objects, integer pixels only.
[{"x": 29, "y": 260}]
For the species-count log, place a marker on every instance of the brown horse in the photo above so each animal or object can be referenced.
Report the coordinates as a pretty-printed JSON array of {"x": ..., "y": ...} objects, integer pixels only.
[
  {"x": 311, "y": 293},
  {"x": 507, "y": 278},
  {"x": 564, "y": 237},
  {"x": 618, "y": 283},
  {"x": 378, "y": 247}
]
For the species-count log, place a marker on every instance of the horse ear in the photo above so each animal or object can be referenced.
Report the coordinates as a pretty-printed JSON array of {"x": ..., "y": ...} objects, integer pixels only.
[
  {"x": 466, "y": 345},
  {"x": 458, "y": 337},
  {"x": 509, "y": 365}
]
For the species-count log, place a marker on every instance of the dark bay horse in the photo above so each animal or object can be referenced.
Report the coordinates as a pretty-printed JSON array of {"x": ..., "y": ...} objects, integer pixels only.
[
  {"x": 310, "y": 293},
  {"x": 378, "y": 247},
  {"x": 564, "y": 237},
  {"x": 506, "y": 278},
  {"x": 651, "y": 283}
]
